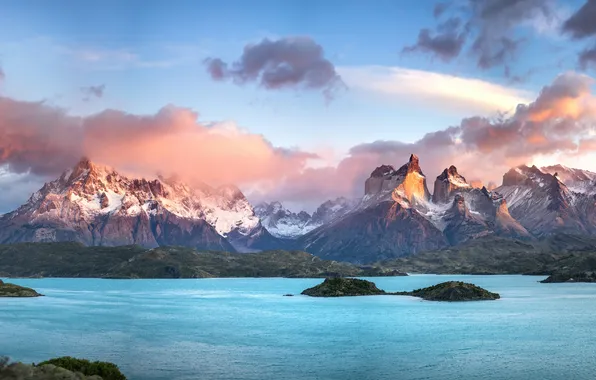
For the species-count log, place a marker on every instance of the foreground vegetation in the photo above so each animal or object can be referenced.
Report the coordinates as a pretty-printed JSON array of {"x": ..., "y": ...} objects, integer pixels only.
[
  {"x": 64, "y": 368},
  {"x": 76, "y": 260}
]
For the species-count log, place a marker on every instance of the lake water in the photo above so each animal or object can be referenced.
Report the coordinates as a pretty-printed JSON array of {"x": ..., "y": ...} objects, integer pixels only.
[{"x": 245, "y": 329}]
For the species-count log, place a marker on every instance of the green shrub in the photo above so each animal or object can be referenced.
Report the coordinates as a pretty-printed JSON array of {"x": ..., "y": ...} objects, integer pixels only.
[{"x": 107, "y": 371}]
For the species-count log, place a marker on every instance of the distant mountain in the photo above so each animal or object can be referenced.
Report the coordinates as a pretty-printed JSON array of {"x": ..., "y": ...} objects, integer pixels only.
[
  {"x": 96, "y": 205},
  {"x": 285, "y": 224},
  {"x": 578, "y": 180},
  {"x": 385, "y": 224},
  {"x": 543, "y": 204},
  {"x": 398, "y": 217}
]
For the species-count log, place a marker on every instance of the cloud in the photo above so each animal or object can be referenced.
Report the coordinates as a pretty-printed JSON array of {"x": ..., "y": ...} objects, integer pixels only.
[
  {"x": 15, "y": 188},
  {"x": 587, "y": 58},
  {"x": 37, "y": 138},
  {"x": 290, "y": 62},
  {"x": 2, "y": 75},
  {"x": 487, "y": 27},
  {"x": 446, "y": 43},
  {"x": 439, "y": 9},
  {"x": 581, "y": 25},
  {"x": 93, "y": 91},
  {"x": 101, "y": 58},
  {"x": 438, "y": 89},
  {"x": 40, "y": 139},
  {"x": 559, "y": 121}
]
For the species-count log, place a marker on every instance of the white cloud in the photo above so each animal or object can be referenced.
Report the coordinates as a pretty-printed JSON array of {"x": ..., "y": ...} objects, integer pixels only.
[{"x": 435, "y": 89}]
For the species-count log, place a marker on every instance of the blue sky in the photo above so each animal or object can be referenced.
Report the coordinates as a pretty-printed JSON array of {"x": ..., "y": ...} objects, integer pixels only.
[
  {"x": 150, "y": 54},
  {"x": 170, "y": 39}
]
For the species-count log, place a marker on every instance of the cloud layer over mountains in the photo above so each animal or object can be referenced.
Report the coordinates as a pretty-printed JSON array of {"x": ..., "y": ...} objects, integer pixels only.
[{"x": 38, "y": 138}]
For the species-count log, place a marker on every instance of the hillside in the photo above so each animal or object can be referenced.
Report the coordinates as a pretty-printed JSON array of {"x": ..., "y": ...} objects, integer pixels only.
[
  {"x": 496, "y": 255},
  {"x": 77, "y": 260}
]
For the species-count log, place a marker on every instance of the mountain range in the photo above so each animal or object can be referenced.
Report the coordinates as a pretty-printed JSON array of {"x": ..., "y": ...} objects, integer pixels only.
[{"x": 397, "y": 215}]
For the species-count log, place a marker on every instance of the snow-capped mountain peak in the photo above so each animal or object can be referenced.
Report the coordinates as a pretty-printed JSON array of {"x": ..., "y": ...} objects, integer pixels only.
[
  {"x": 283, "y": 223},
  {"x": 88, "y": 192}
]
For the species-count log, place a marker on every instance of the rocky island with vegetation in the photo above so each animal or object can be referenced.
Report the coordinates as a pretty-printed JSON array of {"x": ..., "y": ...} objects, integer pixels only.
[
  {"x": 12, "y": 290},
  {"x": 64, "y": 368},
  {"x": 451, "y": 291},
  {"x": 570, "y": 277},
  {"x": 344, "y": 287}
]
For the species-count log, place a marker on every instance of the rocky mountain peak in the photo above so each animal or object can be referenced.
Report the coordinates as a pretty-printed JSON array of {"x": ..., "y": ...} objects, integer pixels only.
[
  {"x": 414, "y": 164},
  {"x": 407, "y": 183},
  {"x": 447, "y": 183},
  {"x": 577, "y": 180},
  {"x": 382, "y": 171}
]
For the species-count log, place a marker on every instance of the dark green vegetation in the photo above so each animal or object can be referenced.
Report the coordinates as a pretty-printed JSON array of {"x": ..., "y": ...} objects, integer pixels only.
[
  {"x": 450, "y": 291},
  {"x": 107, "y": 371},
  {"x": 561, "y": 255},
  {"x": 494, "y": 255},
  {"x": 453, "y": 291},
  {"x": 12, "y": 290},
  {"x": 65, "y": 368},
  {"x": 76, "y": 260},
  {"x": 344, "y": 287},
  {"x": 571, "y": 277}
]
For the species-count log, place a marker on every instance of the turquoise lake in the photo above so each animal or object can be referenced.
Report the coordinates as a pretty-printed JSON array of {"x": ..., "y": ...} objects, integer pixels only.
[{"x": 245, "y": 329}]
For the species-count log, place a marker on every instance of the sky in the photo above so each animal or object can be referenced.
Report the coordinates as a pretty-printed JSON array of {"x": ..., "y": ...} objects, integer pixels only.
[{"x": 296, "y": 101}]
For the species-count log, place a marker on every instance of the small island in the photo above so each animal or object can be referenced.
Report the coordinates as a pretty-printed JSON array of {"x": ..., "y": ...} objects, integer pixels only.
[
  {"x": 344, "y": 287},
  {"x": 570, "y": 277},
  {"x": 12, "y": 290},
  {"x": 451, "y": 291}
]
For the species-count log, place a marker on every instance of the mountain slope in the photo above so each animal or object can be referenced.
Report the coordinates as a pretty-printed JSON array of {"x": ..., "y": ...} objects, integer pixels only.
[
  {"x": 385, "y": 224},
  {"x": 69, "y": 259},
  {"x": 541, "y": 202},
  {"x": 285, "y": 224},
  {"x": 95, "y": 205},
  {"x": 378, "y": 232}
]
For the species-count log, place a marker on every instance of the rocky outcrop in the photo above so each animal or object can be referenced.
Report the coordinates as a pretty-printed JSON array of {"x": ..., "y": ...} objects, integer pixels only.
[
  {"x": 454, "y": 291},
  {"x": 407, "y": 183},
  {"x": 447, "y": 183},
  {"x": 343, "y": 287},
  {"x": 12, "y": 290}
]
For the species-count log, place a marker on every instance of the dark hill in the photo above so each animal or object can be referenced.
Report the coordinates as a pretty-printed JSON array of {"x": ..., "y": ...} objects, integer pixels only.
[{"x": 77, "y": 260}]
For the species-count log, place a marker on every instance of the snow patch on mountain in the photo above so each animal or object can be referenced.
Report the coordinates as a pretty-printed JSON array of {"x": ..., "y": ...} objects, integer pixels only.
[{"x": 283, "y": 223}]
